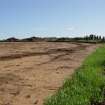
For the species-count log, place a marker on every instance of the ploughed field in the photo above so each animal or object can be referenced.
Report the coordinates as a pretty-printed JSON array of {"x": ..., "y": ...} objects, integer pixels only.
[{"x": 32, "y": 71}]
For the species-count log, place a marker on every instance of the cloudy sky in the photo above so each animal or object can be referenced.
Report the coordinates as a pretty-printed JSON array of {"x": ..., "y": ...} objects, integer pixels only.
[{"x": 24, "y": 18}]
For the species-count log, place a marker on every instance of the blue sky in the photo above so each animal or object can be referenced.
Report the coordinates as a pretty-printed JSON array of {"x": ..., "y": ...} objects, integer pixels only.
[{"x": 24, "y": 18}]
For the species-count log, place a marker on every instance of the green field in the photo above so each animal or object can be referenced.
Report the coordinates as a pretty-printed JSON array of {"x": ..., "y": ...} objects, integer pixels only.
[{"x": 87, "y": 86}]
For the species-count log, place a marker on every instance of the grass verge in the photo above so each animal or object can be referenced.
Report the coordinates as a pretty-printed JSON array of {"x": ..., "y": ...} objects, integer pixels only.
[{"x": 87, "y": 86}]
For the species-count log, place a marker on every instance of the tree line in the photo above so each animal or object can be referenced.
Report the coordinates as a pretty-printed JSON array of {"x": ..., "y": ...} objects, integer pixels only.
[
  {"x": 88, "y": 38},
  {"x": 94, "y": 37}
]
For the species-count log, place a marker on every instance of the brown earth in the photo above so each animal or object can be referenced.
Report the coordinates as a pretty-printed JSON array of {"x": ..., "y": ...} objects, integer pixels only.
[{"x": 30, "y": 72}]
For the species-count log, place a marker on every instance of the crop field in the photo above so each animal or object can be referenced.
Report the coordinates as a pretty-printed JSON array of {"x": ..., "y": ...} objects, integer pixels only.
[{"x": 31, "y": 72}]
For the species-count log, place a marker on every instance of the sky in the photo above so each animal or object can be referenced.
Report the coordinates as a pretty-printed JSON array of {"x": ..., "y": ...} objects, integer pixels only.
[{"x": 51, "y": 18}]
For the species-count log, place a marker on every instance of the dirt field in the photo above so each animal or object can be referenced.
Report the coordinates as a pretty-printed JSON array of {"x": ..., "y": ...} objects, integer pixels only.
[{"x": 30, "y": 72}]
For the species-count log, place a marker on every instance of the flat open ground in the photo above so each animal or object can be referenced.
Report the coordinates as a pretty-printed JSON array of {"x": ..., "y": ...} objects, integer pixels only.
[{"x": 30, "y": 72}]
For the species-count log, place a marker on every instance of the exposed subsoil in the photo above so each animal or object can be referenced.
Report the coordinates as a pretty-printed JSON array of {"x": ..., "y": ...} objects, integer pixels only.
[{"x": 30, "y": 72}]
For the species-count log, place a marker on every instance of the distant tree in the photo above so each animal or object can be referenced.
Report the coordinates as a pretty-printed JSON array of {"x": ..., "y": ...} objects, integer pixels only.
[
  {"x": 99, "y": 38},
  {"x": 92, "y": 37},
  {"x": 86, "y": 38},
  {"x": 103, "y": 39}
]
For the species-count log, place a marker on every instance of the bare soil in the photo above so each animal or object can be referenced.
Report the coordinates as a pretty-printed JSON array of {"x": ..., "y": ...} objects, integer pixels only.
[{"x": 30, "y": 72}]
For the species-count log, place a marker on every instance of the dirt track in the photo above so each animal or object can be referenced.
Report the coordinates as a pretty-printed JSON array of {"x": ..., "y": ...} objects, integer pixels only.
[{"x": 29, "y": 72}]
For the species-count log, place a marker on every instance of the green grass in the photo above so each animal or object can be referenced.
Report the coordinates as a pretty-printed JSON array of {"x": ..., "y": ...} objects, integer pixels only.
[{"x": 87, "y": 85}]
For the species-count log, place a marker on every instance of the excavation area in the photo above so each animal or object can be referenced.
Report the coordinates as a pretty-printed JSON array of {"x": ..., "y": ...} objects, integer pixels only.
[{"x": 32, "y": 71}]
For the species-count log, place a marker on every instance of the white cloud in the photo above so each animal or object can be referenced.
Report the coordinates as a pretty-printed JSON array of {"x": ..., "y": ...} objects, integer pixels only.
[{"x": 70, "y": 28}]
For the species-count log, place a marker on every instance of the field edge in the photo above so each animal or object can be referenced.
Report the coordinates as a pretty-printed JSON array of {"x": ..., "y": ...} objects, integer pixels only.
[{"x": 87, "y": 86}]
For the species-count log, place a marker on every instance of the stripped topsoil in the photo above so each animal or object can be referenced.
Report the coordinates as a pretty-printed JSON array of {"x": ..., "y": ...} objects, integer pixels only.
[{"x": 30, "y": 72}]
